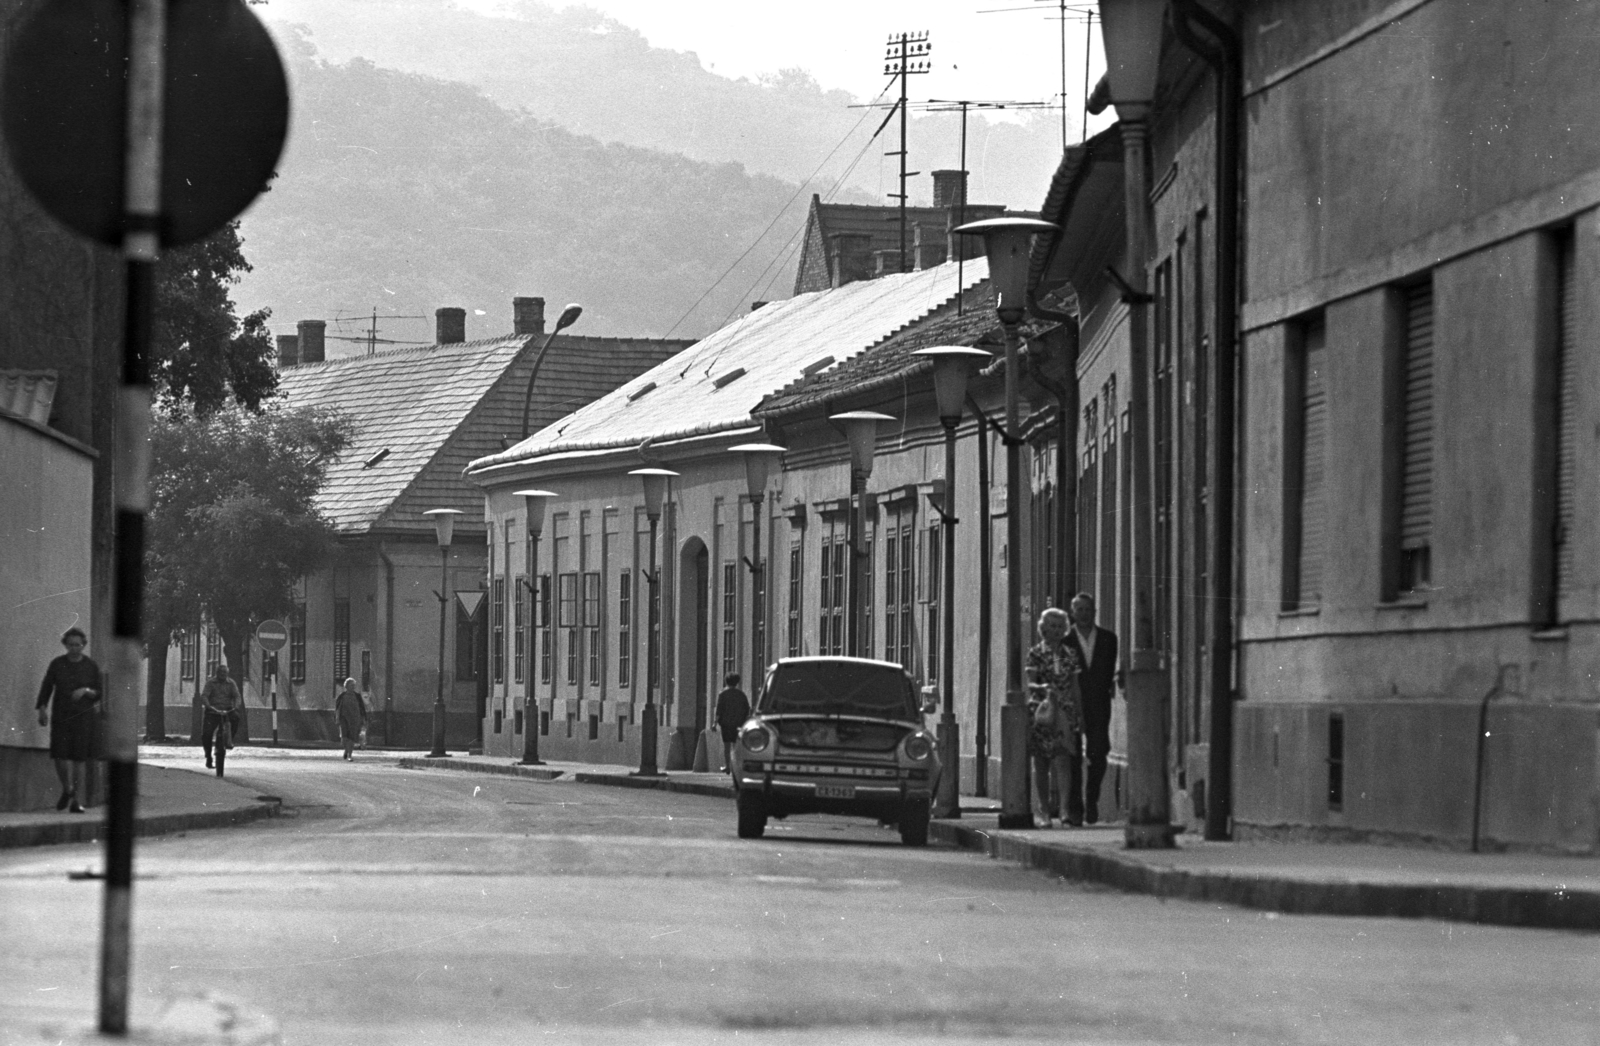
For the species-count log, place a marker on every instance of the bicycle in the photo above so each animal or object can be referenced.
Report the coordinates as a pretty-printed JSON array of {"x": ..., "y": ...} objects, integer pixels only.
[{"x": 222, "y": 741}]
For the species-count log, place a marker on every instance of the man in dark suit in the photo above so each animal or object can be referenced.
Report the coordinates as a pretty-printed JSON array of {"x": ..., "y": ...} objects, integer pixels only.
[{"x": 1098, "y": 680}]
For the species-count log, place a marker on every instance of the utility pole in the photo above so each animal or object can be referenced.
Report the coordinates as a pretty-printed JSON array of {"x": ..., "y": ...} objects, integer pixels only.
[{"x": 905, "y": 57}]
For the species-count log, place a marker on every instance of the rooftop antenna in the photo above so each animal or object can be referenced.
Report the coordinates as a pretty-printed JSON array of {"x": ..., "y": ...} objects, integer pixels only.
[
  {"x": 905, "y": 57},
  {"x": 370, "y": 335},
  {"x": 1066, "y": 12}
]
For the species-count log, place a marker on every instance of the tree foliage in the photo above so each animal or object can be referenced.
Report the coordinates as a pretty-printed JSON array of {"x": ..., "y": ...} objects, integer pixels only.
[
  {"x": 204, "y": 356},
  {"x": 233, "y": 520}
]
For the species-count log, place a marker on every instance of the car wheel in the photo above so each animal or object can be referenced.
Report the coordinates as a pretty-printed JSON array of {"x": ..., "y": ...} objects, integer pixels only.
[
  {"x": 752, "y": 818},
  {"x": 914, "y": 822}
]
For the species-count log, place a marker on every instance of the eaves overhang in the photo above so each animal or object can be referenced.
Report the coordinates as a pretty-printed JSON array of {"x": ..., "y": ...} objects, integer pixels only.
[{"x": 1086, "y": 203}]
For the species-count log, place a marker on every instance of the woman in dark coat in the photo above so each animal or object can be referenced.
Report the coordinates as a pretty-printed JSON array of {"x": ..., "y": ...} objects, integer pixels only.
[
  {"x": 352, "y": 713},
  {"x": 66, "y": 704}
]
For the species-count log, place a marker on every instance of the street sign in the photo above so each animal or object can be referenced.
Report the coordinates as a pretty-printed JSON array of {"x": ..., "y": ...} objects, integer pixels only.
[
  {"x": 65, "y": 107},
  {"x": 271, "y": 635},
  {"x": 470, "y": 600}
]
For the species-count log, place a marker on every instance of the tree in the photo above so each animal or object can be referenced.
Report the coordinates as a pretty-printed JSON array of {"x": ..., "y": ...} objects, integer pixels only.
[
  {"x": 203, "y": 355},
  {"x": 233, "y": 521}
]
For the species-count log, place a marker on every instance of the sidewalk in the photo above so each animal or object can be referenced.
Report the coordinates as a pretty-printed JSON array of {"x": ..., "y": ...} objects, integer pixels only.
[
  {"x": 169, "y": 801},
  {"x": 1516, "y": 889}
]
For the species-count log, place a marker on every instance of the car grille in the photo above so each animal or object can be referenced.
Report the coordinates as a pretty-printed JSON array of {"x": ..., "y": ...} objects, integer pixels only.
[
  {"x": 839, "y": 734},
  {"x": 836, "y": 770}
]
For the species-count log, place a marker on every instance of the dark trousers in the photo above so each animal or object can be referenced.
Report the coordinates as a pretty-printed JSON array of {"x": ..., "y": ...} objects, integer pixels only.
[
  {"x": 208, "y": 728},
  {"x": 1096, "y": 738}
]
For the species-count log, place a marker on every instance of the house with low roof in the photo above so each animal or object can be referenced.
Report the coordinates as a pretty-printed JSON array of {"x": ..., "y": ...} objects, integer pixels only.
[
  {"x": 373, "y": 614},
  {"x": 585, "y": 649}
]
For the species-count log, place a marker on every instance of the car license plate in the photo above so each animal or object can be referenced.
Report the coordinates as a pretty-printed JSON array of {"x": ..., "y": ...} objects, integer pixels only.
[{"x": 836, "y": 791}]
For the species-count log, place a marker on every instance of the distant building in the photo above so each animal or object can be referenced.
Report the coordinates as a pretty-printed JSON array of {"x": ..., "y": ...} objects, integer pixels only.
[
  {"x": 421, "y": 415},
  {"x": 846, "y": 242}
]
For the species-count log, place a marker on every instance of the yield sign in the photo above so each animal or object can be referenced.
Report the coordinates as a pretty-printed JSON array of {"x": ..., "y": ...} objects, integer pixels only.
[{"x": 470, "y": 601}]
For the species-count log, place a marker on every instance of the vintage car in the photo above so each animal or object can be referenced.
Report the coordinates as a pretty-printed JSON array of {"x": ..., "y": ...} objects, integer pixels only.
[{"x": 836, "y": 735}]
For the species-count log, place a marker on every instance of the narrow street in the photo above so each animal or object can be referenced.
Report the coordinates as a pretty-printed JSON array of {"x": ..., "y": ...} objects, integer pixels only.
[{"x": 397, "y": 906}]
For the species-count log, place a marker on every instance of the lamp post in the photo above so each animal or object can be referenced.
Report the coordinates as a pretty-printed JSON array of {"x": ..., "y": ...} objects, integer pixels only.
[
  {"x": 444, "y": 526},
  {"x": 861, "y": 430},
  {"x": 568, "y": 317},
  {"x": 952, "y": 364},
  {"x": 758, "y": 461},
  {"x": 535, "y": 501},
  {"x": 1132, "y": 30},
  {"x": 655, "y": 489},
  {"x": 1007, "y": 242}
]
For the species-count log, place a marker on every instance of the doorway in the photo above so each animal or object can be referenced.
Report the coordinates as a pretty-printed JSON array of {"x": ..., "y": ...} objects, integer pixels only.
[{"x": 694, "y": 634}]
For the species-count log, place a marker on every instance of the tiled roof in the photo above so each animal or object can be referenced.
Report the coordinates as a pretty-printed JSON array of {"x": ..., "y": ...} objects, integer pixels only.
[
  {"x": 1085, "y": 202},
  {"x": 714, "y": 385},
  {"x": 880, "y": 224},
  {"x": 28, "y": 393},
  {"x": 428, "y": 411}
]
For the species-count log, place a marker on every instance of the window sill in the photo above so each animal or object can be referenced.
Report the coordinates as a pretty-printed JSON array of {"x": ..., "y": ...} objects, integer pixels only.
[
  {"x": 1404, "y": 603},
  {"x": 1300, "y": 612},
  {"x": 1550, "y": 635}
]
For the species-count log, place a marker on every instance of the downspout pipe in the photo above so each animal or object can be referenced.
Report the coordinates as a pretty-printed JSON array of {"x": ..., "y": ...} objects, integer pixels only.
[
  {"x": 1067, "y": 399},
  {"x": 1224, "y": 56},
  {"x": 388, "y": 645},
  {"x": 980, "y": 740}
]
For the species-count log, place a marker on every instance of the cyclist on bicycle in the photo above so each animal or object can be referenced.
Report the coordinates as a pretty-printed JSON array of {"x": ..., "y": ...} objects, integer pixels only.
[{"x": 220, "y": 699}]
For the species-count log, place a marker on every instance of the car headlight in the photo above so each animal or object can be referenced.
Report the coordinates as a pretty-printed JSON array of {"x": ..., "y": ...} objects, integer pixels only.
[
  {"x": 918, "y": 748},
  {"x": 755, "y": 738}
]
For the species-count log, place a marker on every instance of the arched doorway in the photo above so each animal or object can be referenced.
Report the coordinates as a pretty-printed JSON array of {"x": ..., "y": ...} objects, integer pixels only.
[{"x": 694, "y": 637}]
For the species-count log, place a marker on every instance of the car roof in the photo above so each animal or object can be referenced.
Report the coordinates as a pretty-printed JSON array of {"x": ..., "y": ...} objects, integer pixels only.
[{"x": 841, "y": 660}]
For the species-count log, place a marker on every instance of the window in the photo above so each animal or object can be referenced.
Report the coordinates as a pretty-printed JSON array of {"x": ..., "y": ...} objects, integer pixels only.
[
  {"x": 1567, "y": 378},
  {"x": 341, "y": 640},
  {"x": 899, "y": 590},
  {"x": 935, "y": 576},
  {"x": 1411, "y": 454},
  {"x": 519, "y": 648},
  {"x": 625, "y": 628},
  {"x": 1305, "y": 465},
  {"x": 567, "y": 619},
  {"x": 758, "y": 617},
  {"x": 297, "y": 645},
  {"x": 213, "y": 650},
  {"x": 831, "y": 592},
  {"x": 730, "y": 611},
  {"x": 591, "y": 623},
  {"x": 497, "y": 629},
  {"x": 1336, "y": 761},
  {"x": 794, "y": 600},
  {"x": 543, "y": 614},
  {"x": 187, "y": 654}
]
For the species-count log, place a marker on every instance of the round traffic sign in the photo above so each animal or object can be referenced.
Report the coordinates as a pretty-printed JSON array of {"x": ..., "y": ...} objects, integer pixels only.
[
  {"x": 225, "y": 117},
  {"x": 271, "y": 635}
]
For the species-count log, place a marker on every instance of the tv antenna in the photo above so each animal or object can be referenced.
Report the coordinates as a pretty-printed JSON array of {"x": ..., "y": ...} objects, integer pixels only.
[
  {"x": 370, "y": 336},
  {"x": 1067, "y": 12}
]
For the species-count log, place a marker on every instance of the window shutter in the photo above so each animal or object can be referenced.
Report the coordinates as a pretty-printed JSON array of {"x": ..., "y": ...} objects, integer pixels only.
[
  {"x": 1567, "y": 425},
  {"x": 1313, "y": 466},
  {"x": 1416, "y": 499}
]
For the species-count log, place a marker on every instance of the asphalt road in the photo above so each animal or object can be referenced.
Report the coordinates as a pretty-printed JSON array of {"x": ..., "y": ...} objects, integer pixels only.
[{"x": 400, "y": 906}]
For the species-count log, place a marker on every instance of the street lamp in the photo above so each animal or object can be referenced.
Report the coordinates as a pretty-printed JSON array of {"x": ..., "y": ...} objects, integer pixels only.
[
  {"x": 655, "y": 489},
  {"x": 444, "y": 526},
  {"x": 1008, "y": 243},
  {"x": 952, "y": 365},
  {"x": 861, "y": 430},
  {"x": 535, "y": 500},
  {"x": 1132, "y": 31},
  {"x": 568, "y": 317},
  {"x": 758, "y": 461}
]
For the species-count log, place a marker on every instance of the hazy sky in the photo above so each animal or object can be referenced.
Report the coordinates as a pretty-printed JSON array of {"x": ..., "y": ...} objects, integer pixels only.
[{"x": 982, "y": 49}]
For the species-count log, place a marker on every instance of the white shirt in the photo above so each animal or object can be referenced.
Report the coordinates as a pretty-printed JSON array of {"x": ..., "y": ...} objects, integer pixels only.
[{"x": 1086, "y": 644}]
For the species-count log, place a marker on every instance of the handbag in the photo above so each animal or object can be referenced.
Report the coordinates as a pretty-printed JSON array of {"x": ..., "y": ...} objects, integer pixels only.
[{"x": 1045, "y": 713}]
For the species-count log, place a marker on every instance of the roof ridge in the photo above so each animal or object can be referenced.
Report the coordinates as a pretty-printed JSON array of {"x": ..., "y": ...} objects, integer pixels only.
[{"x": 452, "y": 345}]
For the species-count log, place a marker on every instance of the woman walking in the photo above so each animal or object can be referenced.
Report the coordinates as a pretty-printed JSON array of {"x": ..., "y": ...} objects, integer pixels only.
[
  {"x": 71, "y": 689},
  {"x": 1056, "y": 709},
  {"x": 352, "y": 713}
]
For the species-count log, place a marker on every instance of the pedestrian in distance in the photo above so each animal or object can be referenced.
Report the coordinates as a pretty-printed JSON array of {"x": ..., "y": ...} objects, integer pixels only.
[
  {"x": 733, "y": 708},
  {"x": 351, "y": 709},
  {"x": 1099, "y": 679},
  {"x": 219, "y": 700},
  {"x": 1056, "y": 716},
  {"x": 67, "y": 705}
]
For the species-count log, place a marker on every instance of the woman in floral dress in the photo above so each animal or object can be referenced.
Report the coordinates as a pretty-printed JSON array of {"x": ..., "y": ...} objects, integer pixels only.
[{"x": 1053, "y": 676}]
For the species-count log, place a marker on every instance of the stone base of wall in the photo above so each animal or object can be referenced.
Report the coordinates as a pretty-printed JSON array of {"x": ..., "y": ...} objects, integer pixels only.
[{"x": 28, "y": 781}]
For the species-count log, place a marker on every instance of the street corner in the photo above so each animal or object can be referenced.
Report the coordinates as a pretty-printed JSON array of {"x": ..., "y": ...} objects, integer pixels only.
[{"x": 200, "y": 1019}]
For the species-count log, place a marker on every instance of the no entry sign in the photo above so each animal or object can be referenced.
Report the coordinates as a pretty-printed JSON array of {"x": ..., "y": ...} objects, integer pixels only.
[{"x": 271, "y": 635}]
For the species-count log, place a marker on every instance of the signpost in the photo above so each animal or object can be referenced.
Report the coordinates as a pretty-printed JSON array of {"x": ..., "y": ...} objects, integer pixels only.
[
  {"x": 271, "y": 635},
  {"x": 141, "y": 124}
]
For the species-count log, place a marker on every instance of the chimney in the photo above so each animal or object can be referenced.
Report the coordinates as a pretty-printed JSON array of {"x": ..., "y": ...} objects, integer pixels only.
[
  {"x": 527, "y": 315},
  {"x": 450, "y": 325},
  {"x": 852, "y": 258},
  {"x": 949, "y": 188},
  {"x": 288, "y": 350},
  {"x": 311, "y": 340}
]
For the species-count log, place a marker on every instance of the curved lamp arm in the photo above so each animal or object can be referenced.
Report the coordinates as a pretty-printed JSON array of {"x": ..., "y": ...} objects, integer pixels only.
[{"x": 569, "y": 316}]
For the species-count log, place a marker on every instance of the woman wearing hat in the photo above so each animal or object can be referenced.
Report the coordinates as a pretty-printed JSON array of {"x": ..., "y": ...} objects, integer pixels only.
[{"x": 352, "y": 713}]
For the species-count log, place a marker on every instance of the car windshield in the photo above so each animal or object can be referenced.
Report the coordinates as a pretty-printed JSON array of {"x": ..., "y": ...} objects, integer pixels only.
[{"x": 839, "y": 688}]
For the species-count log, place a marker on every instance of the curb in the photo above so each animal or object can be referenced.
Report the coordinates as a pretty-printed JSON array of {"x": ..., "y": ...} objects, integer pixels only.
[
  {"x": 503, "y": 769},
  {"x": 1495, "y": 906},
  {"x": 92, "y": 830},
  {"x": 662, "y": 784}
]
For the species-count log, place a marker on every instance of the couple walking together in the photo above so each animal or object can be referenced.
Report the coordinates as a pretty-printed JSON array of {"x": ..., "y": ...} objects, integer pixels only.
[{"x": 1072, "y": 678}]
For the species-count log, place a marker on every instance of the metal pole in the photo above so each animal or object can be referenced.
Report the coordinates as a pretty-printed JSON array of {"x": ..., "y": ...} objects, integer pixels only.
[
  {"x": 858, "y": 489},
  {"x": 530, "y": 699},
  {"x": 131, "y": 469},
  {"x": 980, "y": 740},
  {"x": 438, "y": 700},
  {"x": 647, "y": 723},
  {"x": 758, "y": 653},
  {"x": 1015, "y": 809},
  {"x": 274, "y": 700},
  {"x": 949, "y": 798}
]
